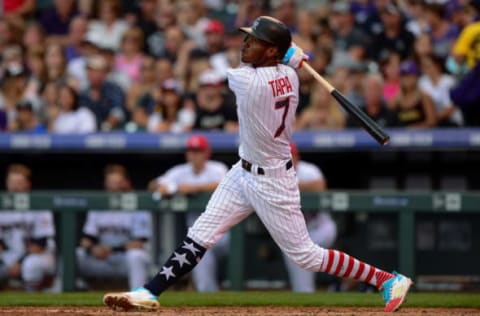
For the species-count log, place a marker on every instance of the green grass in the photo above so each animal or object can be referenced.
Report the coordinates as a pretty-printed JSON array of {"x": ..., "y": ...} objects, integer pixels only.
[{"x": 247, "y": 299}]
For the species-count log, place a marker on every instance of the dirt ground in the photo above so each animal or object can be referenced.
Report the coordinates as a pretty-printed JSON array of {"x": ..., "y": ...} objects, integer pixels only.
[{"x": 236, "y": 311}]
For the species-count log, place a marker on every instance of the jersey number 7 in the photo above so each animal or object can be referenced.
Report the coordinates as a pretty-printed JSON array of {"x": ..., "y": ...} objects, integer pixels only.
[{"x": 285, "y": 104}]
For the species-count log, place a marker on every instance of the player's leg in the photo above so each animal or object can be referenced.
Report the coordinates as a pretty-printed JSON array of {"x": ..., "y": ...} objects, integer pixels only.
[
  {"x": 112, "y": 267},
  {"x": 205, "y": 273},
  {"x": 36, "y": 268},
  {"x": 226, "y": 207},
  {"x": 138, "y": 263},
  {"x": 278, "y": 206},
  {"x": 301, "y": 280},
  {"x": 323, "y": 231}
]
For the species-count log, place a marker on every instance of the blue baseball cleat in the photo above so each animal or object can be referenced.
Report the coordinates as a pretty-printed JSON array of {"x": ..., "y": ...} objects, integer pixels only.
[
  {"x": 394, "y": 291},
  {"x": 139, "y": 299}
]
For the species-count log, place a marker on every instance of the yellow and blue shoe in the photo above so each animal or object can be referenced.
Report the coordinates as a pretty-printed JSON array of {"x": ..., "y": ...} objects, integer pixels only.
[
  {"x": 394, "y": 291},
  {"x": 139, "y": 299}
]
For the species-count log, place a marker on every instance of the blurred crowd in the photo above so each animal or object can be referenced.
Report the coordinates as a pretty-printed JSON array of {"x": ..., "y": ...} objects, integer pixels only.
[{"x": 81, "y": 66}]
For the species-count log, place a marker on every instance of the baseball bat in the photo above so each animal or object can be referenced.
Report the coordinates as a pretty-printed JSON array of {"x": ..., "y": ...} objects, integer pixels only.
[{"x": 372, "y": 127}]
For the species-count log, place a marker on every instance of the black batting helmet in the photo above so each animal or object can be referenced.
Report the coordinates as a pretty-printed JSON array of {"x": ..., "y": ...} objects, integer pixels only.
[{"x": 272, "y": 31}]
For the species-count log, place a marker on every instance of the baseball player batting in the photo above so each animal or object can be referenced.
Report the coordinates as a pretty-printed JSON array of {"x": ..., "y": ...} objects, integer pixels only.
[{"x": 263, "y": 180}]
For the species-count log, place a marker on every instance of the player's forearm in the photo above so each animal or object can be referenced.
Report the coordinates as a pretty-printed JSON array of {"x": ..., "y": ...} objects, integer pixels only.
[
  {"x": 313, "y": 186},
  {"x": 209, "y": 187}
]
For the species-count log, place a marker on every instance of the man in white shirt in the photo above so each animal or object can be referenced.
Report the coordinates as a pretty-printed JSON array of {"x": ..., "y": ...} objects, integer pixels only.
[
  {"x": 116, "y": 243},
  {"x": 197, "y": 175},
  {"x": 27, "y": 246}
]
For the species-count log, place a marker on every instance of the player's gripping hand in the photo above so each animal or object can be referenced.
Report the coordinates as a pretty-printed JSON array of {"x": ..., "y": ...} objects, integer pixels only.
[{"x": 294, "y": 57}]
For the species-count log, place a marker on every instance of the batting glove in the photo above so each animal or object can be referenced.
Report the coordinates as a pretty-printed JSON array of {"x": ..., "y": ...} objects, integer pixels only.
[{"x": 294, "y": 57}]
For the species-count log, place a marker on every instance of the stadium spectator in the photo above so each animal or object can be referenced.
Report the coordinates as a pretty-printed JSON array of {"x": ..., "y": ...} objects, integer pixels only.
[
  {"x": 390, "y": 69},
  {"x": 56, "y": 19},
  {"x": 321, "y": 113},
  {"x": 56, "y": 63},
  {"x": 27, "y": 247},
  {"x": 105, "y": 99},
  {"x": 466, "y": 50},
  {"x": 27, "y": 120},
  {"x": 77, "y": 31},
  {"x": 115, "y": 243},
  {"x": 442, "y": 32},
  {"x": 393, "y": 37},
  {"x": 107, "y": 32},
  {"x": 191, "y": 17},
  {"x": 37, "y": 79},
  {"x": 349, "y": 42},
  {"x": 465, "y": 62},
  {"x": 321, "y": 227},
  {"x": 145, "y": 19},
  {"x": 115, "y": 75},
  {"x": 198, "y": 175},
  {"x": 215, "y": 47},
  {"x": 459, "y": 14},
  {"x": 139, "y": 119},
  {"x": 174, "y": 39},
  {"x": 7, "y": 33},
  {"x": 13, "y": 85},
  {"x": 163, "y": 69},
  {"x": 12, "y": 60},
  {"x": 169, "y": 112},
  {"x": 77, "y": 67},
  {"x": 305, "y": 33},
  {"x": 413, "y": 108},
  {"x": 71, "y": 118},
  {"x": 18, "y": 10},
  {"x": 249, "y": 10},
  {"x": 423, "y": 46},
  {"x": 34, "y": 36},
  {"x": 164, "y": 18},
  {"x": 374, "y": 103},
  {"x": 214, "y": 111},
  {"x": 48, "y": 100},
  {"x": 129, "y": 59},
  {"x": 146, "y": 82},
  {"x": 437, "y": 84},
  {"x": 3, "y": 120},
  {"x": 285, "y": 11}
]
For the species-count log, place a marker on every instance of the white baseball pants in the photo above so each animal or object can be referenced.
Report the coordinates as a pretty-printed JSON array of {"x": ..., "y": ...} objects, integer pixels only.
[
  {"x": 275, "y": 198},
  {"x": 323, "y": 231},
  {"x": 134, "y": 264}
]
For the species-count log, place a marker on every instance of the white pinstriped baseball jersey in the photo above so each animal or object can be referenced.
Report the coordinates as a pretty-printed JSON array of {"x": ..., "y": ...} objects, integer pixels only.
[
  {"x": 114, "y": 228},
  {"x": 267, "y": 98}
]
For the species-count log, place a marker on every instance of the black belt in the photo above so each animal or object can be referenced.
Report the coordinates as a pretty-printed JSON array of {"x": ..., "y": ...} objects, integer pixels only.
[{"x": 248, "y": 166}]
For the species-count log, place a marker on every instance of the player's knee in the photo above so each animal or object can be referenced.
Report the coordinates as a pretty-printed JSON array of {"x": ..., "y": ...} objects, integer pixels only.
[
  {"x": 136, "y": 256},
  {"x": 35, "y": 267},
  {"x": 309, "y": 259}
]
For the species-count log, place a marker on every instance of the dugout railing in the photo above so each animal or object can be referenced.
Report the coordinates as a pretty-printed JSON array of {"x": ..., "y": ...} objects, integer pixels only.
[{"x": 66, "y": 205}]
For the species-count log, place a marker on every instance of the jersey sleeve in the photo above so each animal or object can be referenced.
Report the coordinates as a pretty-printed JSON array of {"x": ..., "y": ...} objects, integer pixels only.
[
  {"x": 239, "y": 80},
  {"x": 171, "y": 176},
  {"x": 142, "y": 225},
  {"x": 43, "y": 225}
]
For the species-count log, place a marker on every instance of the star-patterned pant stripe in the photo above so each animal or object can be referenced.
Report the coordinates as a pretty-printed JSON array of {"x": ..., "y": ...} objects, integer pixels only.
[{"x": 181, "y": 262}]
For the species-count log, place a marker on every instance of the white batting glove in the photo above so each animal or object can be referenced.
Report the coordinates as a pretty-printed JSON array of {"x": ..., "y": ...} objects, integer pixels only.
[{"x": 294, "y": 57}]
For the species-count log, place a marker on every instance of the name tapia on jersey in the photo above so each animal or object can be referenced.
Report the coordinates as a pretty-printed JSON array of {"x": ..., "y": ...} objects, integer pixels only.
[{"x": 280, "y": 86}]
